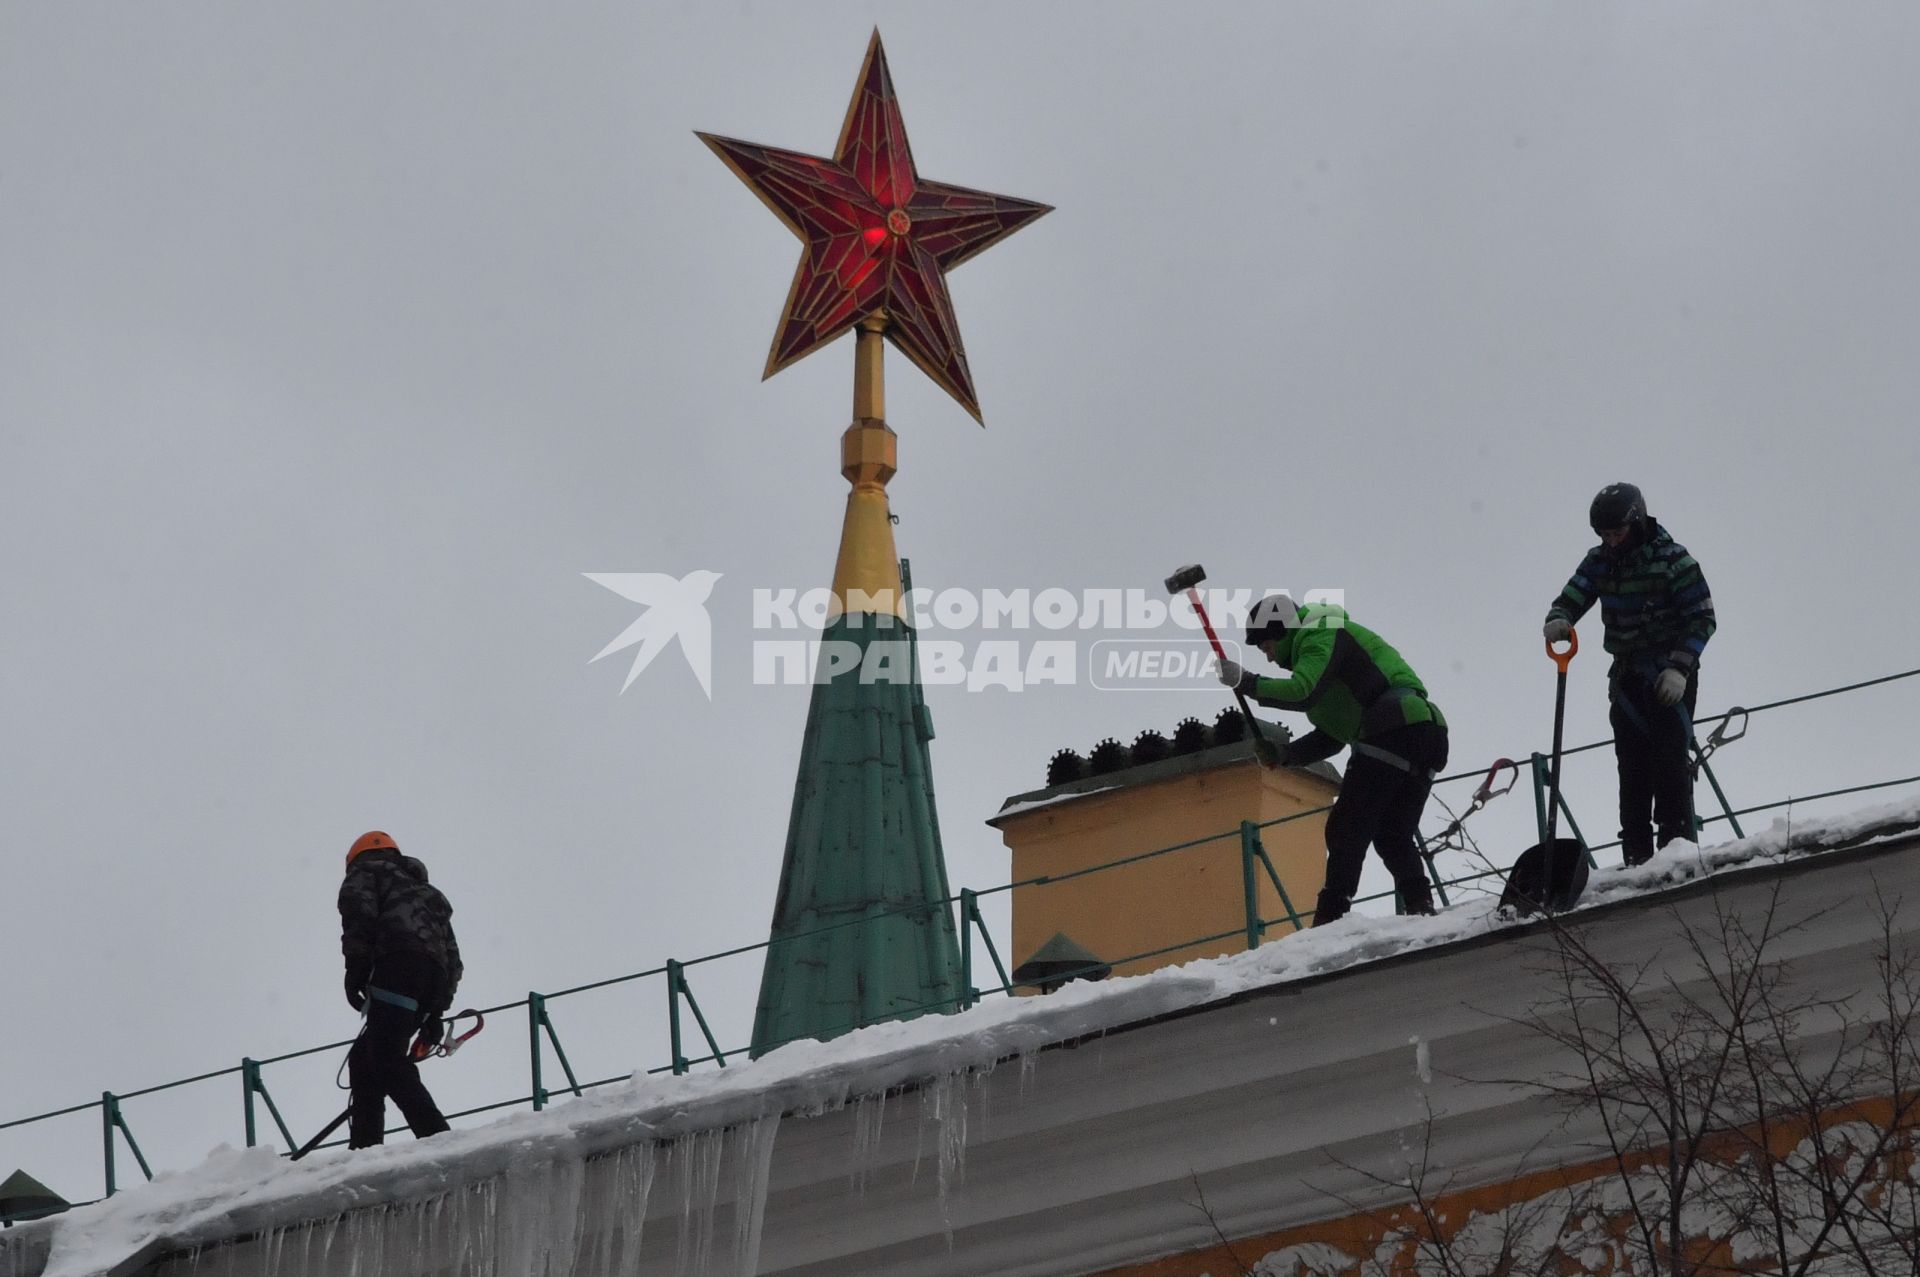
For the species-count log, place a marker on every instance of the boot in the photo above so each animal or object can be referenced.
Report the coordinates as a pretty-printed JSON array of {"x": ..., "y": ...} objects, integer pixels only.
[
  {"x": 1331, "y": 907},
  {"x": 1417, "y": 900},
  {"x": 1682, "y": 836}
]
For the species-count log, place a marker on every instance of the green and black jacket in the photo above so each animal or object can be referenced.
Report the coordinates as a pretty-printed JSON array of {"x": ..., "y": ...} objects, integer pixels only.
[
  {"x": 1653, "y": 601},
  {"x": 1347, "y": 680}
]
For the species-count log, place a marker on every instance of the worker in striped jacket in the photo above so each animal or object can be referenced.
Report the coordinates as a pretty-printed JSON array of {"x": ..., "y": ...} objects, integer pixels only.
[{"x": 1658, "y": 617}]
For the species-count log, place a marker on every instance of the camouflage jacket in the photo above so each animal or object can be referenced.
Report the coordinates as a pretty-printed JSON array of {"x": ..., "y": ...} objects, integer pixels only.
[{"x": 388, "y": 907}]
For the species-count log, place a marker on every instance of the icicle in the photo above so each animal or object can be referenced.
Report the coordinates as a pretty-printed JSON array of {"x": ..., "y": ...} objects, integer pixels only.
[
  {"x": 283, "y": 1241},
  {"x": 753, "y": 1156},
  {"x": 329, "y": 1228},
  {"x": 951, "y": 1110},
  {"x": 636, "y": 1179},
  {"x": 477, "y": 1218},
  {"x": 622, "y": 1182},
  {"x": 982, "y": 1095},
  {"x": 364, "y": 1238},
  {"x": 919, "y": 1141},
  {"x": 1028, "y": 1059},
  {"x": 869, "y": 1118},
  {"x": 539, "y": 1215},
  {"x": 696, "y": 1159},
  {"x": 565, "y": 1180},
  {"x": 422, "y": 1249},
  {"x": 832, "y": 1101},
  {"x": 945, "y": 1101}
]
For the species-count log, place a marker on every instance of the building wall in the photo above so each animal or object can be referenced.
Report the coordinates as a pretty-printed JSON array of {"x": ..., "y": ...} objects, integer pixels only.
[{"x": 1579, "y": 1219}]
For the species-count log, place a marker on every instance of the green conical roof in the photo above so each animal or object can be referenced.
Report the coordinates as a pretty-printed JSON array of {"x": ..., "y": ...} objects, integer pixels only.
[
  {"x": 22, "y": 1197},
  {"x": 1058, "y": 960},
  {"x": 863, "y": 842}
]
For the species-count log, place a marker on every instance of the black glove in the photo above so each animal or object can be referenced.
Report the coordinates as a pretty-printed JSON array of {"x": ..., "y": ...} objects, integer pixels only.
[
  {"x": 433, "y": 1030},
  {"x": 356, "y": 990}
]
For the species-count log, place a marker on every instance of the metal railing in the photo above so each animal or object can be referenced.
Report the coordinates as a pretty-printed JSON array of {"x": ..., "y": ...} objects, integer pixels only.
[{"x": 543, "y": 1036}]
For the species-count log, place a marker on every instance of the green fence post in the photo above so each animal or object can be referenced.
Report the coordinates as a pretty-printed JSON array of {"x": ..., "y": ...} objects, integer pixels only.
[
  {"x": 673, "y": 1015},
  {"x": 1560, "y": 802},
  {"x": 1540, "y": 796},
  {"x": 139, "y": 1158},
  {"x": 545, "y": 1021},
  {"x": 107, "y": 1106},
  {"x": 249, "y": 1078},
  {"x": 1286, "y": 902},
  {"x": 536, "y": 1015},
  {"x": 110, "y": 1117},
  {"x": 1249, "y": 848},
  {"x": 693, "y": 1004},
  {"x": 968, "y": 994},
  {"x": 1433, "y": 871},
  {"x": 1567, "y": 811},
  {"x": 255, "y": 1083},
  {"x": 1273, "y": 876},
  {"x": 971, "y": 902},
  {"x": 1725, "y": 806}
]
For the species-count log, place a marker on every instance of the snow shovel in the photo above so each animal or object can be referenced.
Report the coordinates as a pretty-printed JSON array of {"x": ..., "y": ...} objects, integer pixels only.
[
  {"x": 1552, "y": 874},
  {"x": 420, "y": 1050}
]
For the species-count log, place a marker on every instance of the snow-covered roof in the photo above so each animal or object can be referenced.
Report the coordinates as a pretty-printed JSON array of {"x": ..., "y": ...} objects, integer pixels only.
[{"x": 239, "y": 1192}]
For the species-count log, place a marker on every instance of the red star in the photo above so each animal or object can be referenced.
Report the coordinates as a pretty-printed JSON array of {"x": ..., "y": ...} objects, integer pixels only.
[{"x": 877, "y": 238}]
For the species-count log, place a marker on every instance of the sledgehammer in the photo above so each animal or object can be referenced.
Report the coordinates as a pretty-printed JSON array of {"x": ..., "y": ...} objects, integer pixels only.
[{"x": 1189, "y": 578}]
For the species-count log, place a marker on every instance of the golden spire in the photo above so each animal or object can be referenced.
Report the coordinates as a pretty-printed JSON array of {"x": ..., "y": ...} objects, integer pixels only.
[{"x": 866, "y": 577}]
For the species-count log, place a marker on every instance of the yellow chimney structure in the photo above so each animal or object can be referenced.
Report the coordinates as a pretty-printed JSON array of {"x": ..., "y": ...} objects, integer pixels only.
[{"x": 1149, "y": 913}]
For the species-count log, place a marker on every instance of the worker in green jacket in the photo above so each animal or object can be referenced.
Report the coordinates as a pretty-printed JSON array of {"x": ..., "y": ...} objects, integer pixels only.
[{"x": 1359, "y": 694}]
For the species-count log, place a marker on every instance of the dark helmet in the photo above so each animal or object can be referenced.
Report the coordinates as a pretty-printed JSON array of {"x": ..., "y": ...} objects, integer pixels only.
[
  {"x": 1271, "y": 618},
  {"x": 1618, "y": 505}
]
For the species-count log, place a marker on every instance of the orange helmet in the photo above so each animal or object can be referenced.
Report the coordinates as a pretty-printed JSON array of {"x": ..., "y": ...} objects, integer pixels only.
[{"x": 371, "y": 841}]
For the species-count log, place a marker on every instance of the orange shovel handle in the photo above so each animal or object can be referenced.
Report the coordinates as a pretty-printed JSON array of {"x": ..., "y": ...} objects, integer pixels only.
[{"x": 1564, "y": 659}]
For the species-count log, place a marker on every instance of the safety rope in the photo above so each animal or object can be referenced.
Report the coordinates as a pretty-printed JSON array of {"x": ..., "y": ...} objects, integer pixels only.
[{"x": 1445, "y": 840}]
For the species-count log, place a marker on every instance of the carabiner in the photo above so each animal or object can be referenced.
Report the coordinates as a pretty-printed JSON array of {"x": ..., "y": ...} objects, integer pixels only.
[{"x": 1487, "y": 792}]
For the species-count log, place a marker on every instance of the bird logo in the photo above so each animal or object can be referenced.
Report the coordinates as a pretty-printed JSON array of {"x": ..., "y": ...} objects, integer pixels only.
[{"x": 676, "y": 608}]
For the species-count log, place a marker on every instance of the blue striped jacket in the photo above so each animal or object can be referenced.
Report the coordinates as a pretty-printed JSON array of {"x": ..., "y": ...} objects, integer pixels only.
[{"x": 1653, "y": 601}]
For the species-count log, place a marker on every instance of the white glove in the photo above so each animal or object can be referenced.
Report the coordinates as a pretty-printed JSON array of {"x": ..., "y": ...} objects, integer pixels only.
[
  {"x": 1669, "y": 687},
  {"x": 1230, "y": 672},
  {"x": 1557, "y": 629}
]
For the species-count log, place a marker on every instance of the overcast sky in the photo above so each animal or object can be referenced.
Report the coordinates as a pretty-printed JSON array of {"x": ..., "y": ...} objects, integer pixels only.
[{"x": 336, "y": 345}]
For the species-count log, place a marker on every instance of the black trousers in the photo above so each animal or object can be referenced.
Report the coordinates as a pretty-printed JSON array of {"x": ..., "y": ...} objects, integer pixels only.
[
  {"x": 1381, "y": 804},
  {"x": 1656, "y": 778},
  {"x": 379, "y": 1067}
]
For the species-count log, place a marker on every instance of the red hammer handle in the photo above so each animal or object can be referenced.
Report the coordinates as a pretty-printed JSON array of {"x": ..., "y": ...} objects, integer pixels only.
[{"x": 1193, "y": 596}]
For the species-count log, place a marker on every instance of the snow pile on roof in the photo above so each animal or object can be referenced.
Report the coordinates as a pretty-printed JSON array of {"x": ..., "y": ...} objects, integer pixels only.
[{"x": 234, "y": 1192}]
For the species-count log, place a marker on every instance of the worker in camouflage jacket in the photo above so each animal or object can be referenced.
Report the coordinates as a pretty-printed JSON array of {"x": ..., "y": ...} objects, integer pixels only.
[
  {"x": 1658, "y": 616},
  {"x": 1359, "y": 694},
  {"x": 403, "y": 965}
]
